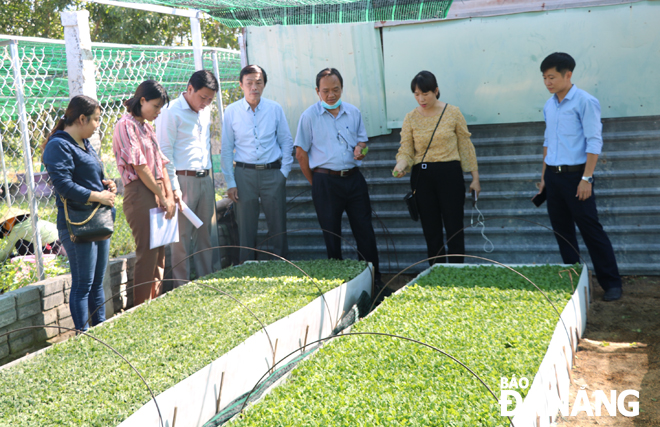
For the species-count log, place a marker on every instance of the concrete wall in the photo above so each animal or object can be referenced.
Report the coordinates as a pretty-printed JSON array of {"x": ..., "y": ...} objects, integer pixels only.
[
  {"x": 47, "y": 303},
  {"x": 293, "y": 55},
  {"x": 489, "y": 67}
]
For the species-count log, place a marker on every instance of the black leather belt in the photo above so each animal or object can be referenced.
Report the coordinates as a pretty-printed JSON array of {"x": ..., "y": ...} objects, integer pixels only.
[
  {"x": 200, "y": 173},
  {"x": 566, "y": 168},
  {"x": 342, "y": 173},
  {"x": 275, "y": 165}
]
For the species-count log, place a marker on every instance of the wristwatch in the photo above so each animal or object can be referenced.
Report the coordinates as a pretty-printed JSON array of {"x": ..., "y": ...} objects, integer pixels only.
[{"x": 589, "y": 179}]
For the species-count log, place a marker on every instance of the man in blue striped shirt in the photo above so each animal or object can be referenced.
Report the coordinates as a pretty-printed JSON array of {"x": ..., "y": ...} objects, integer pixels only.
[
  {"x": 256, "y": 137},
  {"x": 571, "y": 147}
]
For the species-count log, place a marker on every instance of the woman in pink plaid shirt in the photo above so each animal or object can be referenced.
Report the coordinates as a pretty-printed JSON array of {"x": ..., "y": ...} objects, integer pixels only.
[{"x": 146, "y": 183}]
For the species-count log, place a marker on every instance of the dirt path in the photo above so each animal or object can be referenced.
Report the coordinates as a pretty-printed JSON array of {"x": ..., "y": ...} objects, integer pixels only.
[{"x": 620, "y": 351}]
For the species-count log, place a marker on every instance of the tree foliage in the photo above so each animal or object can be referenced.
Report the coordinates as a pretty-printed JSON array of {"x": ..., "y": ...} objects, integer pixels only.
[
  {"x": 110, "y": 24},
  {"x": 36, "y": 18}
]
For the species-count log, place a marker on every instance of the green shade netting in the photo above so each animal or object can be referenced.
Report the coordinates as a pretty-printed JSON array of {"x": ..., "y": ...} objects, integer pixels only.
[
  {"x": 118, "y": 72},
  {"x": 241, "y": 13}
]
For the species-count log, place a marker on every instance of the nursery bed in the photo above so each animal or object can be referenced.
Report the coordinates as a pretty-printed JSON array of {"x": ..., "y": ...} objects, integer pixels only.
[
  {"x": 487, "y": 317},
  {"x": 80, "y": 382},
  {"x": 198, "y": 397}
]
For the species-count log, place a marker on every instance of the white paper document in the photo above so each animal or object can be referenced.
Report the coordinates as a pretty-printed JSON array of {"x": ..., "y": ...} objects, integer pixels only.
[
  {"x": 162, "y": 231},
  {"x": 188, "y": 213}
]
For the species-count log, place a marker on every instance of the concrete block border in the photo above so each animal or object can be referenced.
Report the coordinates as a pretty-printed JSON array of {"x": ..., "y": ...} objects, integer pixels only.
[{"x": 47, "y": 303}]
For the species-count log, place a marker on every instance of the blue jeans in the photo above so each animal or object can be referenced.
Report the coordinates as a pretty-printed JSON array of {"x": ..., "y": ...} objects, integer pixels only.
[{"x": 88, "y": 262}]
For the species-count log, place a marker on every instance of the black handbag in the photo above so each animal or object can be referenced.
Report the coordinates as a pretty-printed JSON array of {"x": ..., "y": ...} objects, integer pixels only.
[
  {"x": 410, "y": 198},
  {"x": 88, "y": 222}
]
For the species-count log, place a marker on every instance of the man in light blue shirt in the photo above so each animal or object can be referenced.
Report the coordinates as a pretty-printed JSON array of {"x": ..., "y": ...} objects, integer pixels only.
[
  {"x": 571, "y": 147},
  {"x": 256, "y": 137},
  {"x": 330, "y": 143}
]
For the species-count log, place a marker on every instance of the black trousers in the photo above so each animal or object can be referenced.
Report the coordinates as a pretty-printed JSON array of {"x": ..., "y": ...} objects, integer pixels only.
[
  {"x": 440, "y": 197},
  {"x": 566, "y": 211},
  {"x": 332, "y": 195}
]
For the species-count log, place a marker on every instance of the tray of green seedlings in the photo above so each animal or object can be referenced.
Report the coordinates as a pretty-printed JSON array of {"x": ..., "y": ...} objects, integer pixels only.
[
  {"x": 487, "y": 317},
  {"x": 82, "y": 383}
]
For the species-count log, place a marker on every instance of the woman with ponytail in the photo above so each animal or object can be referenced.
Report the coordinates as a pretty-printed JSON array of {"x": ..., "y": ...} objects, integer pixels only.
[
  {"x": 146, "y": 183},
  {"x": 77, "y": 174}
]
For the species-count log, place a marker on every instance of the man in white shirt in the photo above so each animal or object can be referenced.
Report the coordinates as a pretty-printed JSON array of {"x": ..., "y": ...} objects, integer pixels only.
[
  {"x": 256, "y": 136},
  {"x": 183, "y": 132}
]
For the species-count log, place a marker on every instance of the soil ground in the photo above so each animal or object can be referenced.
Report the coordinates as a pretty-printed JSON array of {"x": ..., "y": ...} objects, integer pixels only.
[{"x": 620, "y": 350}]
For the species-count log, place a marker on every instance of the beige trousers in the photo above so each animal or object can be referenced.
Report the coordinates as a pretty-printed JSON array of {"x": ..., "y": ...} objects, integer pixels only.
[{"x": 149, "y": 263}]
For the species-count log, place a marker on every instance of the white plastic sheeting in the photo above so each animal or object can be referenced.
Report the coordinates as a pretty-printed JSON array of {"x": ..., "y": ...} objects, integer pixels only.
[{"x": 551, "y": 384}]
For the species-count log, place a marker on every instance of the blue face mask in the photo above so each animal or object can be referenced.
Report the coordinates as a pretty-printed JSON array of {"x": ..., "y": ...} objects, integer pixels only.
[{"x": 330, "y": 107}]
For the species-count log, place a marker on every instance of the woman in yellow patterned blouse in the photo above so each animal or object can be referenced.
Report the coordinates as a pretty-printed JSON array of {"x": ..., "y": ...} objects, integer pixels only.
[{"x": 440, "y": 191}]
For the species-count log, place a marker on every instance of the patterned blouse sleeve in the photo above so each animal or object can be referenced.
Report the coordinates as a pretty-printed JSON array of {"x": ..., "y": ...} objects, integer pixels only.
[
  {"x": 130, "y": 148},
  {"x": 407, "y": 148},
  {"x": 465, "y": 147}
]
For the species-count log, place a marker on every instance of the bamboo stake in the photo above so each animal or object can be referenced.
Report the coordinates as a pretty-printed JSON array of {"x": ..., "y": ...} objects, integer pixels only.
[
  {"x": 274, "y": 353},
  {"x": 557, "y": 379},
  {"x": 305, "y": 343},
  {"x": 217, "y": 403},
  {"x": 568, "y": 366}
]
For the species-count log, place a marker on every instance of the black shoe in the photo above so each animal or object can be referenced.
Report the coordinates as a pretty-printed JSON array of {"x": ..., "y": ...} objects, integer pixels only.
[{"x": 612, "y": 294}]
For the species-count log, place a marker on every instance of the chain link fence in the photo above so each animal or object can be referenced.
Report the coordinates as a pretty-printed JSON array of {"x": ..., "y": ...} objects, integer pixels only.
[
  {"x": 121, "y": 69},
  {"x": 41, "y": 98}
]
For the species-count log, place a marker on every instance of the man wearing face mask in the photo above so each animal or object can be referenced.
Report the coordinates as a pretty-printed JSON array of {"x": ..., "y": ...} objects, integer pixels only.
[
  {"x": 330, "y": 143},
  {"x": 183, "y": 132},
  {"x": 256, "y": 137}
]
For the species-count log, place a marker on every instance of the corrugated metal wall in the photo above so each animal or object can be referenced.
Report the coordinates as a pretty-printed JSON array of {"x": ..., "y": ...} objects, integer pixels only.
[
  {"x": 292, "y": 56},
  {"x": 627, "y": 188}
]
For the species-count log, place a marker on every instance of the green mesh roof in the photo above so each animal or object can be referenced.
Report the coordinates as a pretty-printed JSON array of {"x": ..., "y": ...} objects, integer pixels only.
[
  {"x": 241, "y": 13},
  {"x": 119, "y": 70}
]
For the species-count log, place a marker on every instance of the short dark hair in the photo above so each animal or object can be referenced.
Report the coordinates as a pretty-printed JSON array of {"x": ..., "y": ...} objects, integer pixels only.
[
  {"x": 329, "y": 72},
  {"x": 561, "y": 61},
  {"x": 426, "y": 82},
  {"x": 203, "y": 79},
  {"x": 253, "y": 69},
  {"x": 148, "y": 89}
]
